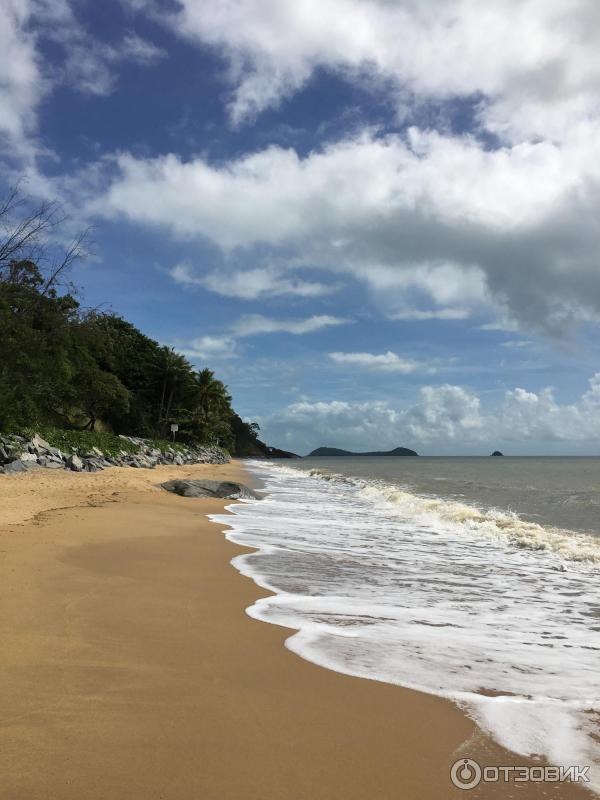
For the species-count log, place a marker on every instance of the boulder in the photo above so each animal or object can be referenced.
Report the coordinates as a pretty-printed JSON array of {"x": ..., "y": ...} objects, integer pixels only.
[
  {"x": 49, "y": 461},
  {"x": 75, "y": 463},
  {"x": 20, "y": 466},
  {"x": 51, "y": 464},
  {"x": 206, "y": 488},
  {"x": 93, "y": 464},
  {"x": 40, "y": 445}
]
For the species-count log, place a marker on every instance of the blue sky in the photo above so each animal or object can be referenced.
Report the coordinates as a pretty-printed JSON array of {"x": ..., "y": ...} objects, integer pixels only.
[{"x": 377, "y": 222}]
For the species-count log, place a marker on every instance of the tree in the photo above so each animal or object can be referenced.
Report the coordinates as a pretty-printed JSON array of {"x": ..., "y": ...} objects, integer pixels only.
[
  {"x": 61, "y": 365},
  {"x": 25, "y": 231},
  {"x": 35, "y": 345},
  {"x": 175, "y": 375}
]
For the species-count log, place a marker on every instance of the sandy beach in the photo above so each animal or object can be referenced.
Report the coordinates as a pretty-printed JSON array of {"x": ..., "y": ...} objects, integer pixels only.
[{"x": 130, "y": 671}]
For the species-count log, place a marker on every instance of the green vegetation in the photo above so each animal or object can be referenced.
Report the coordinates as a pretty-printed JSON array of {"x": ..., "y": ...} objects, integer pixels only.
[
  {"x": 80, "y": 441},
  {"x": 80, "y": 377},
  {"x": 84, "y": 441}
]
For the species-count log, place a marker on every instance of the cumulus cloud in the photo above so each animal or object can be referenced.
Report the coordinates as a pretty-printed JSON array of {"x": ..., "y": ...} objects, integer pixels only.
[
  {"x": 382, "y": 362},
  {"x": 444, "y": 415},
  {"x": 533, "y": 63},
  {"x": 256, "y": 324},
  {"x": 441, "y": 226}
]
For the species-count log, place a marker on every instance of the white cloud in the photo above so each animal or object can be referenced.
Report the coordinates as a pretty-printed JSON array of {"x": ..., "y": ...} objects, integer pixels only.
[
  {"x": 249, "y": 284},
  {"x": 256, "y": 324},
  {"x": 440, "y": 227},
  {"x": 444, "y": 415},
  {"x": 91, "y": 66},
  {"x": 516, "y": 343},
  {"x": 226, "y": 346},
  {"x": 275, "y": 197},
  {"x": 440, "y": 313},
  {"x": 533, "y": 62},
  {"x": 436, "y": 226},
  {"x": 210, "y": 347},
  {"x": 21, "y": 83},
  {"x": 26, "y": 78},
  {"x": 382, "y": 362}
]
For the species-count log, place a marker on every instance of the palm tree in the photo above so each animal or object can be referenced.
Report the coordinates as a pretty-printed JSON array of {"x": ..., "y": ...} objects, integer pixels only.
[
  {"x": 211, "y": 392},
  {"x": 213, "y": 404},
  {"x": 175, "y": 371}
]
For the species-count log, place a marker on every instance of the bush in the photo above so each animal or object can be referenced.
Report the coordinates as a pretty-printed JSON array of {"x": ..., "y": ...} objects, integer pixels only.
[{"x": 80, "y": 441}]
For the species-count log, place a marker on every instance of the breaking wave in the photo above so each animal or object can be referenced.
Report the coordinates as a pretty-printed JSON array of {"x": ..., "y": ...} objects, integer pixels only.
[
  {"x": 500, "y": 615},
  {"x": 569, "y": 546}
]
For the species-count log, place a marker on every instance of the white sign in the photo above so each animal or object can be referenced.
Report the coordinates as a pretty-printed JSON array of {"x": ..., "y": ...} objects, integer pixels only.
[{"x": 174, "y": 428}]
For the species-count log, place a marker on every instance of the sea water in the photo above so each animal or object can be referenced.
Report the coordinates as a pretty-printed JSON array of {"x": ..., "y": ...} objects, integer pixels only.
[{"x": 474, "y": 579}]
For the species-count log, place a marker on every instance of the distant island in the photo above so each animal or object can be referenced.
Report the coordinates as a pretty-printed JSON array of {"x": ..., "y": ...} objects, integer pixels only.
[
  {"x": 334, "y": 451},
  {"x": 497, "y": 453}
]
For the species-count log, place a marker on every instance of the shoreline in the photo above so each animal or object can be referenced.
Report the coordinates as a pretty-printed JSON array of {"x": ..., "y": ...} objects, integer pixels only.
[{"x": 131, "y": 669}]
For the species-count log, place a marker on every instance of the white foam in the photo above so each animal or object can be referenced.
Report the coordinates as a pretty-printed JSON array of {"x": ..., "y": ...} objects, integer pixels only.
[{"x": 434, "y": 595}]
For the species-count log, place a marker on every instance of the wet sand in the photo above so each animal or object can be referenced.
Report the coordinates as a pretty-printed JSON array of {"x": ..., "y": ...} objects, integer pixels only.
[{"x": 129, "y": 670}]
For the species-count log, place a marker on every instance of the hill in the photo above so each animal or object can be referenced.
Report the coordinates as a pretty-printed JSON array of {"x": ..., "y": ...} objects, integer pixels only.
[{"x": 334, "y": 451}]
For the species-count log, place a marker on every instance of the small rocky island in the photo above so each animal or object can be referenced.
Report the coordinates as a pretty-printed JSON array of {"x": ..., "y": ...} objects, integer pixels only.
[
  {"x": 334, "y": 451},
  {"x": 497, "y": 453}
]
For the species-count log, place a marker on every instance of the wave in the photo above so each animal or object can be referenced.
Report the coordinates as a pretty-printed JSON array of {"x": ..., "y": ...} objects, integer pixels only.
[
  {"x": 568, "y": 546},
  {"x": 437, "y": 595}
]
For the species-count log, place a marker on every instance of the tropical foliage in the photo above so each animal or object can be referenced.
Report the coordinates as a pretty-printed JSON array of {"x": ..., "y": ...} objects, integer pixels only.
[{"x": 83, "y": 370}]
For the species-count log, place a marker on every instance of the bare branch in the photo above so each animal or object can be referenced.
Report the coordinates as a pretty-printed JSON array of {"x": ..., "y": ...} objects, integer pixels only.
[
  {"x": 75, "y": 252},
  {"x": 23, "y": 238},
  {"x": 24, "y": 235}
]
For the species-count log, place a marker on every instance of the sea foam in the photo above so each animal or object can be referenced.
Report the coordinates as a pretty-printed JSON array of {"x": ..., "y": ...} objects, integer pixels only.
[{"x": 476, "y": 605}]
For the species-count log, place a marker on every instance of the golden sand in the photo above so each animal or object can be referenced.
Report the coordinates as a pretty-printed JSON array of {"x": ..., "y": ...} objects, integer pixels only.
[{"x": 129, "y": 670}]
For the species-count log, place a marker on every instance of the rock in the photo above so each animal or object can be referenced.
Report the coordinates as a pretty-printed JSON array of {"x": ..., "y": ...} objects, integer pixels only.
[
  {"x": 20, "y": 466},
  {"x": 49, "y": 464},
  {"x": 497, "y": 453},
  {"x": 75, "y": 463},
  {"x": 43, "y": 461},
  {"x": 206, "y": 488},
  {"x": 93, "y": 464},
  {"x": 40, "y": 445},
  {"x": 37, "y": 451}
]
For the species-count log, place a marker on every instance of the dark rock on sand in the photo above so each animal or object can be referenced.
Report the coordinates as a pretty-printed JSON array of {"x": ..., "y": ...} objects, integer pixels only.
[
  {"x": 19, "y": 466},
  {"x": 206, "y": 488}
]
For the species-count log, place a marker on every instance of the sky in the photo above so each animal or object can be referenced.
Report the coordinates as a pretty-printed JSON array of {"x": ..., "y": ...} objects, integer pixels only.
[{"x": 376, "y": 220}]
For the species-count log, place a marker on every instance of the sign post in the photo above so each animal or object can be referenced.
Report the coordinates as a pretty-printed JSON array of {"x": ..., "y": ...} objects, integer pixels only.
[{"x": 174, "y": 429}]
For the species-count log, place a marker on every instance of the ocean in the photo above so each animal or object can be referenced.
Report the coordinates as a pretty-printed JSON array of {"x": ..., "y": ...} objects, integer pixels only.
[{"x": 476, "y": 579}]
